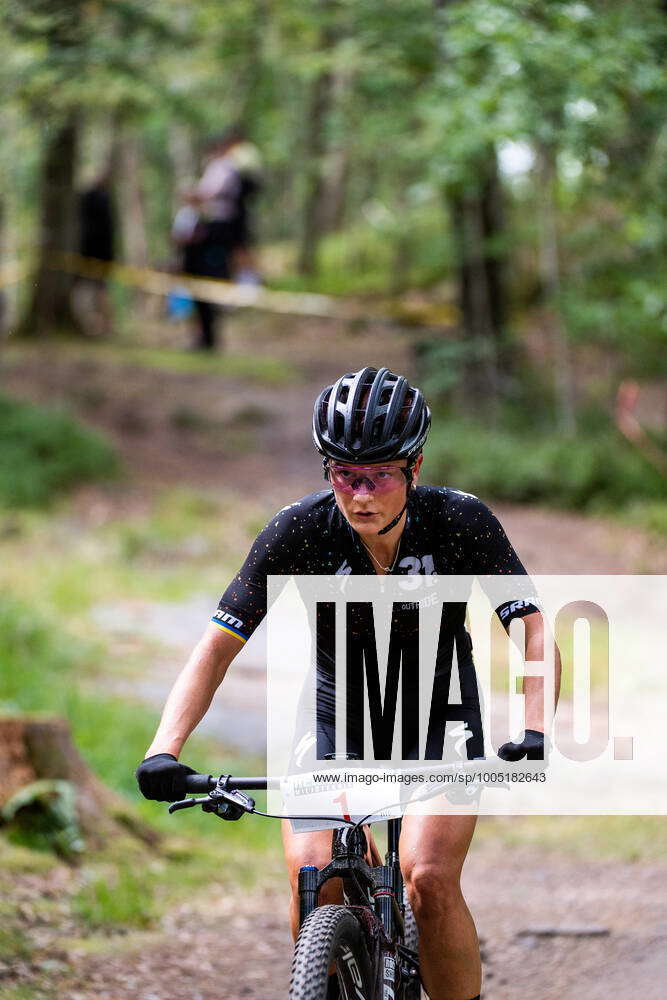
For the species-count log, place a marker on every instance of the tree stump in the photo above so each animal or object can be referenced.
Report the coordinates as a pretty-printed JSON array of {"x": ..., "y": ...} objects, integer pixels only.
[{"x": 33, "y": 748}]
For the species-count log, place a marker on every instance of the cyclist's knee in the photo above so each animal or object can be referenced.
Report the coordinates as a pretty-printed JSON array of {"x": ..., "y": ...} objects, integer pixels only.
[
  {"x": 305, "y": 849},
  {"x": 320, "y": 856},
  {"x": 331, "y": 891},
  {"x": 306, "y": 852},
  {"x": 431, "y": 886},
  {"x": 297, "y": 861}
]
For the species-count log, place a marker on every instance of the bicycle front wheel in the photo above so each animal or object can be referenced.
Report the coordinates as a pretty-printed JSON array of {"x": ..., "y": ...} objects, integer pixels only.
[{"x": 331, "y": 937}]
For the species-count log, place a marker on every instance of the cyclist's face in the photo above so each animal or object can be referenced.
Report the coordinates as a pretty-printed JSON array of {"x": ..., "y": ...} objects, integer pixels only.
[{"x": 370, "y": 496}]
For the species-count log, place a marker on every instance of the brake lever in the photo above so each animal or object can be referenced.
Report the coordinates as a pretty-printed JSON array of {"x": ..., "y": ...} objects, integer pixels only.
[
  {"x": 187, "y": 804},
  {"x": 229, "y": 805}
]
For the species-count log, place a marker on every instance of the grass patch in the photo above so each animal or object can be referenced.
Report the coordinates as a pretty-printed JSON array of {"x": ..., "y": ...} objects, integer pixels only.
[
  {"x": 44, "y": 452},
  {"x": 119, "y": 897},
  {"x": 600, "y": 472},
  {"x": 15, "y": 860},
  {"x": 181, "y": 545},
  {"x": 124, "y": 886},
  {"x": 24, "y": 992},
  {"x": 254, "y": 367},
  {"x": 45, "y": 670},
  {"x": 14, "y": 944},
  {"x": 614, "y": 838},
  {"x": 650, "y": 517}
]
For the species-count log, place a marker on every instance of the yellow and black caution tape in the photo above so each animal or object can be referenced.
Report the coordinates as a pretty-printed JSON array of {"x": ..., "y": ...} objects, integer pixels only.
[
  {"x": 215, "y": 290},
  {"x": 228, "y": 293}
]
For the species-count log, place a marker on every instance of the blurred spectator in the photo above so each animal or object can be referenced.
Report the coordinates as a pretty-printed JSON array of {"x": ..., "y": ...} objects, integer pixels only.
[
  {"x": 96, "y": 243},
  {"x": 247, "y": 160},
  {"x": 213, "y": 226}
]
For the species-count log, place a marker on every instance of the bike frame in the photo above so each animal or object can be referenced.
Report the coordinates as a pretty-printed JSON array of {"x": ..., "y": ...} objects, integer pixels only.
[
  {"x": 373, "y": 893},
  {"x": 382, "y": 884}
]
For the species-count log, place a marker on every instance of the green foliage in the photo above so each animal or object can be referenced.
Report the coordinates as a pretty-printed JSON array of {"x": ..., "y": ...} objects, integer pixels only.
[
  {"x": 120, "y": 897},
  {"x": 255, "y": 367},
  {"x": 44, "y": 452},
  {"x": 14, "y": 943},
  {"x": 591, "y": 838},
  {"x": 423, "y": 98},
  {"x": 651, "y": 516},
  {"x": 64, "y": 55},
  {"x": 392, "y": 249},
  {"x": 39, "y": 664},
  {"x": 600, "y": 471},
  {"x": 24, "y": 992},
  {"x": 45, "y": 670},
  {"x": 43, "y": 815}
]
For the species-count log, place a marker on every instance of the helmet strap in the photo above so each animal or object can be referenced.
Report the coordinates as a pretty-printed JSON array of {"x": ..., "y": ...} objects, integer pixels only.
[
  {"x": 407, "y": 472},
  {"x": 392, "y": 524}
]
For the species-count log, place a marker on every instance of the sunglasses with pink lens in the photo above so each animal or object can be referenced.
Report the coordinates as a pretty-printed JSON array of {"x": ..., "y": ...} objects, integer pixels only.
[{"x": 366, "y": 478}]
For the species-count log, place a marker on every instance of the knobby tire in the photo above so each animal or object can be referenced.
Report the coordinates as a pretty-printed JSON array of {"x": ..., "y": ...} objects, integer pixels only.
[
  {"x": 327, "y": 936},
  {"x": 411, "y": 991}
]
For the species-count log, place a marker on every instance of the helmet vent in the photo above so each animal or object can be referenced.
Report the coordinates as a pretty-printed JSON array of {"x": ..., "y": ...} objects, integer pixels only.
[{"x": 370, "y": 416}]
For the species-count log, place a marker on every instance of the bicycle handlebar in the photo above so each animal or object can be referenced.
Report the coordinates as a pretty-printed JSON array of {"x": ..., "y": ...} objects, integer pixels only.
[{"x": 206, "y": 782}]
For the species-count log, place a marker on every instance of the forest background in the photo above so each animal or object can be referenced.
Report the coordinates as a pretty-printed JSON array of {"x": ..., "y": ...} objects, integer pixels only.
[
  {"x": 480, "y": 188},
  {"x": 505, "y": 158}
]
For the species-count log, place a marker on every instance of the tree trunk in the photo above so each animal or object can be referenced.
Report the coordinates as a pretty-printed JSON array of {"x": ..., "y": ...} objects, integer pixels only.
[
  {"x": 478, "y": 222},
  {"x": 183, "y": 162},
  {"x": 334, "y": 195},
  {"x": 337, "y": 165},
  {"x": 317, "y": 113},
  {"x": 550, "y": 280},
  {"x": 132, "y": 206},
  {"x": 493, "y": 226},
  {"x": 249, "y": 96},
  {"x": 50, "y": 308},
  {"x": 402, "y": 244},
  {"x": 3, "y": 255},
  {"x": 312, "y": 224},
  {"x": 476, "y": 296},
  {"x": 33, "y": 749}
]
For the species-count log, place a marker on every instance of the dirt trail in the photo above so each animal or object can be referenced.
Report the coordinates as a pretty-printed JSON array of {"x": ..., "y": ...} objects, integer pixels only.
[
  {"x": 199, "y": 429},
  {"x": 225, "y": 946},
  {"x": 185, "y": 428}
]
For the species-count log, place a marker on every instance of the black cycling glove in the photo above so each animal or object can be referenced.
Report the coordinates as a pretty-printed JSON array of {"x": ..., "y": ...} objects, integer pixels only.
[
  {"x": 162, "y": 778},
  {"x": 532, "y": 747}
]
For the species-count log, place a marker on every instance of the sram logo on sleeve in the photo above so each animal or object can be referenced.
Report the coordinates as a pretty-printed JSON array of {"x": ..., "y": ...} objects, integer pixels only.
[
  {"x": 509, "y": 609},
  {"x": 228, "y": 619}
]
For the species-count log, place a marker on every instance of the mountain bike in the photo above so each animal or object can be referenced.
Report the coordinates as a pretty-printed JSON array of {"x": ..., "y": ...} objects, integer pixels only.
[{"x": 363, "y": 949}]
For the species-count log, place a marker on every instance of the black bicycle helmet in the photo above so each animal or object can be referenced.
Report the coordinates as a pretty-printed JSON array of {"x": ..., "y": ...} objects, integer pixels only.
[{"x": 370, "y": 416}]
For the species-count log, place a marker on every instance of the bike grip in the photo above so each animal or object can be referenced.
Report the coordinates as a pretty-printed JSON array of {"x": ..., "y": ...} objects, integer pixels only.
[{"x": 199, "y": 782}]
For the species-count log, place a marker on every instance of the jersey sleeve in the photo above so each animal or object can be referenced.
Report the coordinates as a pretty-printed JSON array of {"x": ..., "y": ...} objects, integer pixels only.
[
  {"x": 243, "y": 604},
  {"x": 492, "y": 554}
]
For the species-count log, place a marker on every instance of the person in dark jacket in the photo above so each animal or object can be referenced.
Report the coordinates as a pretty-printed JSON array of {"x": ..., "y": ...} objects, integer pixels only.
[
  {"x": 96, "y": 243},
  {"x": 213, "y": 228}
]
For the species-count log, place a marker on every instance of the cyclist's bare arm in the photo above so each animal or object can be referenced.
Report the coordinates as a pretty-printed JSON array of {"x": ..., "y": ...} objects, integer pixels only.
[
  {"x": 193, "y": 690},
  {"x": 532, "y": 686}
]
